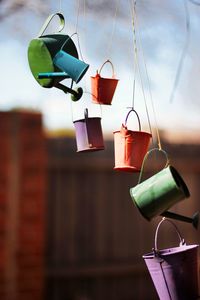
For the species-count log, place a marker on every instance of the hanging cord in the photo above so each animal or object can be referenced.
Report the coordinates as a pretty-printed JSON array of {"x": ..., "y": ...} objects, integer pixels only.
[
  {"x": 148, "y": 82},
  {"x": 135, "y": 54},
  {"x": 110, "y": 43},
  {"x": 77, "y": 16},
  {"x": 184, "y": 52},
  {"x": 60, "y": 6},
  {"x": 133, "y": 9}
]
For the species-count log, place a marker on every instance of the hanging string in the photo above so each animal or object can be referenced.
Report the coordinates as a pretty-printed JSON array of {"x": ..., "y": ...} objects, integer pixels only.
[
  {"x": 133, "y": 10},
  {"x": 110, "y": 43},
  {"x": 133, "y": 100},
  {"x": 77, "y": 16},
  {"x": 135, "y": 54},
  {"x": 76, "y": 29},
  {"x": 148, "y": 82},
  {"x": 60, "y": 6},
  {"x": 184, "y": 52}
]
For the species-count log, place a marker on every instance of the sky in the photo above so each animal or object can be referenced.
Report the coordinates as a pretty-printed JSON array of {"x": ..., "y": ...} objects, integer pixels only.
[{"x": 167, "y": 32}]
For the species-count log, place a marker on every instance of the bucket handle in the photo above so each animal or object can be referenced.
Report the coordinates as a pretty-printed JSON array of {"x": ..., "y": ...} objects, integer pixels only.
[
  {"x": 86, "y": 123},
  {"x": 145, "y": 158},
  {"x": 126, "y": 120},
  {"x": 107, "y": 61},
  {"x": 181, "y": 239},
  {"x": 48, "y": 20}
]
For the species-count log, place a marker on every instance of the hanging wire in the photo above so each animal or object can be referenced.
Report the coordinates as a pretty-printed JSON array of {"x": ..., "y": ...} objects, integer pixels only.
[
  {"x": 60, "y": 6},
  {"x": 148, "y": 83},
  {"x": 184, "y": 51},
  {"x": 76, "y": 29},
  {"x": 135, "y": 52},
  {"x": 110, "y": 43},
  {"x": 133, "y": 10}
]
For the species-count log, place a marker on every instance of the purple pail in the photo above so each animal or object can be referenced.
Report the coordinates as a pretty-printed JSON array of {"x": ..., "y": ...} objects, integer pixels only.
[
  {"x": 174, "y": 271},
  {"x": 89, "y": 136}
]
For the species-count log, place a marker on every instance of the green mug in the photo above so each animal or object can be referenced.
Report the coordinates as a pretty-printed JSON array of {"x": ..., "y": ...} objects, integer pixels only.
[{"x": 157, "y": 194}]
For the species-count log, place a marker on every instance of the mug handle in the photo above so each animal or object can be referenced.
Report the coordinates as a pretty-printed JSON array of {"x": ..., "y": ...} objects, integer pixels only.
[
  {"x": 107, "y": 61},
  {"x": 145, "y": 158},
  {"x": 48, "y": 20},
  {"x": 181, "y": 239}
]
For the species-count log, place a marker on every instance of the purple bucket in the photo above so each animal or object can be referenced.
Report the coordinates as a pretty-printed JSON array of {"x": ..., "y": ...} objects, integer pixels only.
[
  {"x": 174, "y": 271},
  {"x": 89, "y": 136}
]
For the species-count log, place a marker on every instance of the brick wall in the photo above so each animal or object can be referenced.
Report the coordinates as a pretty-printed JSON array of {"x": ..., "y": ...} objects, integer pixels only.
[{"x": 22, "y": 205}]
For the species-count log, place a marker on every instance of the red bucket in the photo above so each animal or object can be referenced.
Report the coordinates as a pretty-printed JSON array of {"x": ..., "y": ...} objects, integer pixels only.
[
  {"x": 130, "y": 147},
  {"x": 103, "y": 89}
]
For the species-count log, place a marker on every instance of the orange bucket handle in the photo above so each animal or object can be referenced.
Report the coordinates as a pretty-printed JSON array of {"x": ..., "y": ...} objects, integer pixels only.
[
  {"x": 126, "y": 120},
  {"x": 145, "y": 158},
  {"x": 107, "y": 61}
]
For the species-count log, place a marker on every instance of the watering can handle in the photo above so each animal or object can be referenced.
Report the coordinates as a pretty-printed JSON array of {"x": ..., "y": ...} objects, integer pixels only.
[
  {"x": 126, "y": 120},
  {"x": 48, "y": 20},
  {"x": 107, "y": 61},
  {"x": 145, "y": 158},
  {"x": 182, "y": 241}
]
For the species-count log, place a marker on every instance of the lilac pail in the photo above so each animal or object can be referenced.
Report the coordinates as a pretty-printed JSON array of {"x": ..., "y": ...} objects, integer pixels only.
[{"x": 174, "y": 271}]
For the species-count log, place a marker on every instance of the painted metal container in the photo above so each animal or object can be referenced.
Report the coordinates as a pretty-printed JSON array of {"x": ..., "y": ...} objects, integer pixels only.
[
  {"x": 89, "y": 136},
  {"x": 158, "y": 193},
  {"x": 174, "y": 271},
  {"x": 103, "y": 89},
  {"x": 130, "y": 147},
  {"x": 43, "y": 49},
  {"x": 71, "y": 65}
]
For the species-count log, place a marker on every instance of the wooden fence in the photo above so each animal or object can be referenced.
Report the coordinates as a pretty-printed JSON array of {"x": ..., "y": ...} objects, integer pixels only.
[{"x": 95, "y": 235}]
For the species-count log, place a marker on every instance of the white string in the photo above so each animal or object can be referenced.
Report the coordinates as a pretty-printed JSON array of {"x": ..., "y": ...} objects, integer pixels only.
[
  {"x": 137, "y": 60},
  {"x": 148, "y": 82},
  {"x": 184, "y": 52},
  {"x": 110, "y": 43}
]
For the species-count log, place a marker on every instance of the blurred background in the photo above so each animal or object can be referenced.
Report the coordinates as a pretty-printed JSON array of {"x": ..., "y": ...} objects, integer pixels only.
[{"x": 69, "y": 229}]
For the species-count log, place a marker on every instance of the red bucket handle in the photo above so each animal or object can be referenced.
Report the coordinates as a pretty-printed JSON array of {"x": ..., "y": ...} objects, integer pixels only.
[
  {"x": 48, "y": 20},
  {"x": 126, "y": 120},
  {"x": 107, "y": 61},
  {"x": 181, "y": 239},
  {"x": 145, "y": 158}
]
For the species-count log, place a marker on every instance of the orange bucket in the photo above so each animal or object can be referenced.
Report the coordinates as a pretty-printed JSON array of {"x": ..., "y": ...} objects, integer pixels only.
[
  {"x": 103, "y": 89},
  {"x": 130, "y": 147}
]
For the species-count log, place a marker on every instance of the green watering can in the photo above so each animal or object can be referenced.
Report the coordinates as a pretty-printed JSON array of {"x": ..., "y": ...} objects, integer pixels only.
[
  {"x": 157, "y": 194},
  {"x": 41, "y": 52}
]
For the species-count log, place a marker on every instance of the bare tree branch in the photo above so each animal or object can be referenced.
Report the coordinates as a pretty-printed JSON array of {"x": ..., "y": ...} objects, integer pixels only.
[{"x": 11, "y": 7}]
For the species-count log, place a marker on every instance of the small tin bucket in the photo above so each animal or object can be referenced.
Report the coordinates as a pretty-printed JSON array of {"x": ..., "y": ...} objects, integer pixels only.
[
  {"x": 89, "y": 136},
  {"x": 130, "y": 147},
  {"x": 103, "y": 89},
  {"x": 174, "y": 271}
]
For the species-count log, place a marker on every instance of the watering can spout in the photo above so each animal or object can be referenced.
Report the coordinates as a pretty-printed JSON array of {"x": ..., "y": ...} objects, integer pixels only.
[
  {"x": 194, "y": 219},
  {"x": 75, "y": 94}
]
